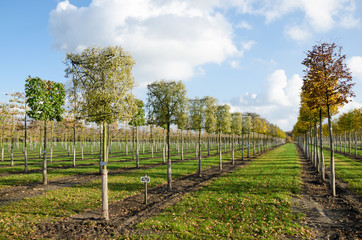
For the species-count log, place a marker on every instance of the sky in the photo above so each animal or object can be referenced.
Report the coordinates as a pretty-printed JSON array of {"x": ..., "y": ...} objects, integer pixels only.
[{"x": 245, "y": 53}]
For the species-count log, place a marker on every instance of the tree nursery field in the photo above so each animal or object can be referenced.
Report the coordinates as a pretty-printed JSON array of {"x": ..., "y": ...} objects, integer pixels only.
[
  {"x": 264, "y": 196},
  {"x": 92, "y": 161}
]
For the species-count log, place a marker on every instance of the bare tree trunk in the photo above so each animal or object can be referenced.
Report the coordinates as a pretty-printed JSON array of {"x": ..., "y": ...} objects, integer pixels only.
[
  {"x": 12, "y": 149},
  {"x": 242, "y": 146},
  {"x": 105, "y": 212},
  {"x": 349, "y": 143},
  {"x": 45, "y": 180},
  {"x": 220, "y": 154},
  {"x": 137, "y": 150},
  {"x": 133, "y": 138},
  {"x": 321, "y": 146},
  {"x": 208, "y": 145},
  {"x": 248, "y": 152},
  {"x": 331, "y": 143},
  {"x": 200, "y": 152},
  {"x": 25, "y": 147},
  {"x": 100, "y": 149},
  {"x": 233, "y": 153},
  {"x": 355, "y": 143},
  {"x": 182, "y": 145},
  {"x": 169, "y": 173},
  {"x": 74, "y": 144},
  {"x": 316, "y": 148}
]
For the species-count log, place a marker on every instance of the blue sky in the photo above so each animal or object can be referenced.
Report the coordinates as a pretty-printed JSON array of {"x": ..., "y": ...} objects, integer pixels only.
[{"x": 244, "y": 53}]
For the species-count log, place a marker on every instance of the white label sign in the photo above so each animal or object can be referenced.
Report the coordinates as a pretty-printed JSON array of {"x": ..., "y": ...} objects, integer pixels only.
[
  {"x": 145, "y": 179},
  {"x": 103, "y": 163}
]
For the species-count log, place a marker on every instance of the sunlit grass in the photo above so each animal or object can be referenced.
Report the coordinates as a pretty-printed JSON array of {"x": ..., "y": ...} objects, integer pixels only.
[{"x": 251, "y": 203}]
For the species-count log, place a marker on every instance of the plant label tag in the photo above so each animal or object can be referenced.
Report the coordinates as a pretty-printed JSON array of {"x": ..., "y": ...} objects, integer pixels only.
[
  {"x": 145, "y": 179},
  {"x": 103, "y": 163}
]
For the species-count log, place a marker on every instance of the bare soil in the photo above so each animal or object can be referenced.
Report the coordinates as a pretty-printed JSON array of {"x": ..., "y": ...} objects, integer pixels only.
[{"x": 328, "y": 217}]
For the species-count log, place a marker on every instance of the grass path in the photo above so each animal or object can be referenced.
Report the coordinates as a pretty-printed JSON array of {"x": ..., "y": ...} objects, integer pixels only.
[{"x": 251, "y": 203}]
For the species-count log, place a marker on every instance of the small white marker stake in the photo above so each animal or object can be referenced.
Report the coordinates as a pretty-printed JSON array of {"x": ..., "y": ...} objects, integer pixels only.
[{"x": 145, "y": 179}]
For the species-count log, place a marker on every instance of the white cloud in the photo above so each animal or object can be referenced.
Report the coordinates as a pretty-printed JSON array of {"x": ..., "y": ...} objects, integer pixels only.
[
  {"x": 275, "y": 90},
  {"x": 234, "y": 64},
  {"x": 244, "y": 25},
  {"x": 355, "y": 64},
  {"x": 248, "y": 45},
  {"x": 318, "y": 16},
  {"x": 298, "y": 33},
  {"x": 168, "y": 40},
  {"x": 278, "y": 102}
]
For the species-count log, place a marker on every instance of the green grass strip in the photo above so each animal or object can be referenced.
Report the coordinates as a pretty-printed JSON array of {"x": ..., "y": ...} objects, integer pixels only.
[
  {"x": 348, "y": 170},
  {"x": 251, "y": 203}
]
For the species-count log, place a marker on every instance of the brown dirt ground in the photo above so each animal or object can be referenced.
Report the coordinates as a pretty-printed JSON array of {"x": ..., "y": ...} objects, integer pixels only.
[{"x": 328, "y": 218}]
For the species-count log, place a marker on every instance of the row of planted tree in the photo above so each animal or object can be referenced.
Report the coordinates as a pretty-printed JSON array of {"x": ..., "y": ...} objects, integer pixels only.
[
  {"x": 327, "y": 86},
  {"x": 347, "y": 131},
  {"x": 99, "y": 92},
  {"x": 78, "y": 137}
]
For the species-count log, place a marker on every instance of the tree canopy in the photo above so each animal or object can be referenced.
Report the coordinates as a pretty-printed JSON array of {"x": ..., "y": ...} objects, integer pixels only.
[{"x": 102, "y": 78}]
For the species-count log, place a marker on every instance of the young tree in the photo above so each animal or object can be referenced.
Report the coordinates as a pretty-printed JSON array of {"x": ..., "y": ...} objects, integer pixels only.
[
  {"x": 45, "y": 100},
  {"x": 165, "y": 101},
  {"x": 210, "y": 119},
  {"x": 14, "y": 104},
  {"x": 197, "y": 121},
  {"x": 223, "y": 119},
  {"x": 182, "y": 121},
  {"x": 4, "y": 118},
  {"x": 236, "y": 129},
  {"x": 328, "y": 82},
  {"x": 351, "y": 121},
  {"x": 103, "y": 78},
  {"x": 137, "y": 121}
]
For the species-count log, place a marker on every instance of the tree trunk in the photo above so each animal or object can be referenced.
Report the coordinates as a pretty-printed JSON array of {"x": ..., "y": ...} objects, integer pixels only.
[
  {"x": 169, "y": 174},
  {"x": 355, "y": 143},
  {"x": 242, "y": 146},
  {"x": 349, "y": 143},
  {"x": 105, "y": 213},
  {"x": 321, "y": 146},
  {"x": 45, "y": 180},
  {"x": 51, "y": 143},
  {"x": 248, "y": 152},
  {"x": 137, "y": 150},
  {"x": 331, "y": 143},
  {"x": 220, "y": 154},
  {"x": 133, "y": 138},
  {"x": 233, "y": 153},
  {"x": 316, "y": 162},
  {"x": 182, "y": 145},
  {"x": 200, "y": 152},
  {"x": 25, "y": 147},
  {"x": 100, "y": 149},
  {"x": 12, "y": 149},
  {"x": 208, "y": 145},
  {"x": 74, "y": 144}
]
